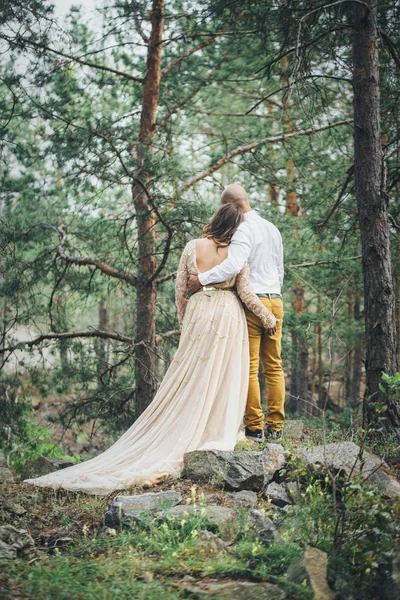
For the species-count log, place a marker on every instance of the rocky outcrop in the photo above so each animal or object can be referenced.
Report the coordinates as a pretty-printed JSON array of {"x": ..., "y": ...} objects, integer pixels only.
[
  {"x": 226, "y": 590},
  {"x": 312, "y": 568},
  {"x": 15, "y": 543},
  {"x": 125, "y": 508},
  {"x": 277, "y": 493},
  {"x": 240, "y": 470},
  {"x": 213, "y": 513},
  {"x": 262, "y": 527},
  {"x": 345, "y": 458},
  {"x": 42, "y": 466},
  {"x": 236, "y": 470},
  {"x": 293, "y": 429},
  {"x": 6, "y": 474}
]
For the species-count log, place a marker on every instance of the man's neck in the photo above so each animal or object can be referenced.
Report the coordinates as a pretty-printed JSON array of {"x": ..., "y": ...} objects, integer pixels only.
[{"x": 245, "y": 210}]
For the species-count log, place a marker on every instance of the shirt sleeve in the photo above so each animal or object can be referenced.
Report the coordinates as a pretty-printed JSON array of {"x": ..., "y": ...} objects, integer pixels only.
[
  {"x": 281, "y": 269},
  {"x": 252, "y": 301},
  {"x": 238, "y": 253}
]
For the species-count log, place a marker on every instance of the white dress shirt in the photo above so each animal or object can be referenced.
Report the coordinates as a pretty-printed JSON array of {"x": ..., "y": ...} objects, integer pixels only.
[{"x": 258, "y": 242}]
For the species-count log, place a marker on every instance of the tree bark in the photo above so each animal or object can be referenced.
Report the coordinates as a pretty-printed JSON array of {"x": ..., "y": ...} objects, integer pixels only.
[
  {"x": 369, "y": 174},
  {"x": 145, "y": 380}
]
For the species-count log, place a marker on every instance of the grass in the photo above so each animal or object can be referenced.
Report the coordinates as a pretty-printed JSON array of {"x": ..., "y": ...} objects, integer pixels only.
[{"x": 150, "y": 559}]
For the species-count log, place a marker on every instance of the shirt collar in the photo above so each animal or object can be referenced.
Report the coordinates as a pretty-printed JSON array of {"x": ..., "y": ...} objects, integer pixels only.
[{"x": 250, "y": 214}]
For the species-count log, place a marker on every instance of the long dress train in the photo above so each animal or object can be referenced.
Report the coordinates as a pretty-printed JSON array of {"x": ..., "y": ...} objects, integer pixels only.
[{"x": 201, "y": 401}]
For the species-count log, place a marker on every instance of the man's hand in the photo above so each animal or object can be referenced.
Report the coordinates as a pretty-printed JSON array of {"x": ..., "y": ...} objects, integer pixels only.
[{"x": 193, "y": 283}]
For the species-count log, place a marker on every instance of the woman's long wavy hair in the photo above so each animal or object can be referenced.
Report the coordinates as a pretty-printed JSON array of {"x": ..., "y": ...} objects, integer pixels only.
[{"x": 223, "y": 224}]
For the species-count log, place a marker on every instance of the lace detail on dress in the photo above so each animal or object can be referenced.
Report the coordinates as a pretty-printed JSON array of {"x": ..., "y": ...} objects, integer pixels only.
[
  {"x": 251, "y": 300},
  {"x": 181, "y": 287}
]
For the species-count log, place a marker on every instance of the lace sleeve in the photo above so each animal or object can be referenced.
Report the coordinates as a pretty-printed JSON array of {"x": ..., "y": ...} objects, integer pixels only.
[
  {"x": 181, "y": 288},
  {"x": 251, "y": 300}
]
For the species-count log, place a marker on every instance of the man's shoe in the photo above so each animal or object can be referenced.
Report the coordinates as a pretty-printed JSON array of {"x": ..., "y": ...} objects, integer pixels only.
[
  {"x": 256, "y": 434},
  {"x": 271, "y": 434}
]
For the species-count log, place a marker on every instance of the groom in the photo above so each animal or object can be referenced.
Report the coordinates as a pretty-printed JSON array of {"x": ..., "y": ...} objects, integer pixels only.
[{"x": 258, "y": 242}]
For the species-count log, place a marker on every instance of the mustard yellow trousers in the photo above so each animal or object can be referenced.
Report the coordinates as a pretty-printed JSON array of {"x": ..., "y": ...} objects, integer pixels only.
[{"x": 266, "y": 348}]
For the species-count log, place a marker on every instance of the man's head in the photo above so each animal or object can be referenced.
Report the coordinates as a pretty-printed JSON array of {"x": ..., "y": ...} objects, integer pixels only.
[{"x": 235, "y": 194}]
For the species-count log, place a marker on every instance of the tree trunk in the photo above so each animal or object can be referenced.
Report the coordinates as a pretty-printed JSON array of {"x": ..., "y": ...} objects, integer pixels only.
[
  {"x": 102, "y": 345},
  {"x": 369, "y": 173},
  {"x": 147, "y": 263}
]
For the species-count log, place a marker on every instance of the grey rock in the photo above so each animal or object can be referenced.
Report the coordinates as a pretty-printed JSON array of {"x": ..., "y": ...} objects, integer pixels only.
[
  {"x": 125, "y": 508},
  {"x": 14, "y": 508},
  {"x": 257, "y": 520},
  {"x": 243, "y": 499},
  {"x": 294, "y": 491},
  {"x": 211, "y": 543},
  {"x": 312, "y": 567},
  {"x": 241, "y": 470},
  {"x": 42, "y": 466},
  {"x": 386, "y": 484},
  {"x": 391, "y": 586},
  {"x": 6, "y": 475},
  {"x": 277, "y": 493},
  {"x": 15, "y": 543},
  {"x": 3, "y": 460},
  {"x": 293, "y": 429},
  {"x": 213, "y": 514},
  {"x": 344, "y": 456},
  {"x": 240, "y": 590},
  {"x": 274, "y": 459}
]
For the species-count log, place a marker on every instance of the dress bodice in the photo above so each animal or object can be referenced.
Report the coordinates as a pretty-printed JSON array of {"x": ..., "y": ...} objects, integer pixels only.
[
  {"x": 193, "y": 269},
  {"x": 241, "y": 282}
]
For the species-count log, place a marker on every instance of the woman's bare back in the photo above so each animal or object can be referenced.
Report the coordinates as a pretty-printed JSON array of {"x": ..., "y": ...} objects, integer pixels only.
[{"x": 208, "y": 255}]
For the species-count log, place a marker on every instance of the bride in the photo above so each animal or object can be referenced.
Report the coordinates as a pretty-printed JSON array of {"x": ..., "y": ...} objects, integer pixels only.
[{"x": 201, "y": 401}]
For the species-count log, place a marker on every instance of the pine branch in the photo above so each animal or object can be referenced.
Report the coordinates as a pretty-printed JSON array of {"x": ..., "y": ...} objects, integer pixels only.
[
  {"x": 317, "y": 263},
  {"x": 182, "y": 57},
  {"x": 65, "y": 335},
  {"x": 22, "y": 42},
  {"x": 95, "y": 333},
  {"x": 86, "y": 260},
  {"x": 248, "y": 147},
  {"x": 388, "y": 45}
]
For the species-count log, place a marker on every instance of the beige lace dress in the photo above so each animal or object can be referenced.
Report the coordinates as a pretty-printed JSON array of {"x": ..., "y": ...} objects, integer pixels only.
[{"x": 201, "y": 401}]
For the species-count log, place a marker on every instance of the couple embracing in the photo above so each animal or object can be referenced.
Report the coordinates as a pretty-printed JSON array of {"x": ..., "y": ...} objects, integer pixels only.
[{"x": 228, "y": 298}]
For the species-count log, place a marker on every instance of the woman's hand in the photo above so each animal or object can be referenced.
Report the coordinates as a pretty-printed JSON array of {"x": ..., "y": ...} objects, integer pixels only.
[{"x": 272, "y": 330}]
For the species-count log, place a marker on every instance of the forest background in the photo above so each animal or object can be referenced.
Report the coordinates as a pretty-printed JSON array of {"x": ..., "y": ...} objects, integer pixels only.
[{"x": 118, "y": 134}]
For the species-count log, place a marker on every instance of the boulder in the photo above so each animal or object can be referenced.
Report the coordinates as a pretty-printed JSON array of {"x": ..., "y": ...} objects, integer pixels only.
[
  {"x": 294, "y": 491},
  {"x": 312, "y": 568},
  {"x": 240, "y": 590},
  {"x": 262, "y": 527},
  {"x": 125, "y": 508},
  {"x": 216, "y": 515},
  {"x": 293, "y": 429},
  {"x": 277, "y": 493},
  {"x": 3, "y": 460},
  {"x": 14, "y": 508},
  {"x": 42, "y": 466},
  {"x": 15, "y": 543},
  {"x": 274, "y": 459},
  {"x": 6, "y": 474},
  {"x": 236, "y": 470},
  {"x": 243, "y": 499},
  {"x": 391, "y": 586},
  {"x": 344, "y": 457},
  {"x": 241, "y": 470},
  {"x": 211, "y": 543}
]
